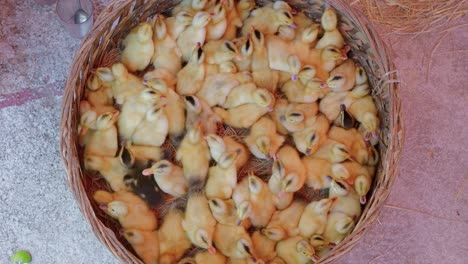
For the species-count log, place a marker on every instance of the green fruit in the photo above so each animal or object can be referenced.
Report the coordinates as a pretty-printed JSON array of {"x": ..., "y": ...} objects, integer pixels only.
[{"x": 21, "y": 256}]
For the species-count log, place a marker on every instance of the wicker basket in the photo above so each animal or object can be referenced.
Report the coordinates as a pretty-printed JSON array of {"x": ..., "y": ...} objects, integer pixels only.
[{"x": 99, "y": 49}]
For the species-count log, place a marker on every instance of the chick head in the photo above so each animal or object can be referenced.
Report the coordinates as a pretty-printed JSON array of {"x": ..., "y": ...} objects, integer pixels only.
[
  {"x": 290, "y": 183},
  {"x": 274, "y": 233},
  {"x": 201, "y": 19},
  {"x": 324, "y": 205},
  {"x": 294, "y": 65},
  {"x": 361, "y": 76},
  {"x": 244, "y": 210},
  {"x": 159, "y": 169},
  {"x": 264, "y": 98},
  {"x": 310, "y": 33},
  {"x": 255, "y": 184},
  {"x": 318, "y": 242},
  {"x": 199, "y": 4},
  {"x": 158, "y": 84},
  {"x": 155, "y": 113},
  {"x": 184, "y": 18},
  {"x": 307, "y": 73},
  {"x": 329, "y": 20},
  {"x": 204, "y": 240},
  {"x": 362, "y": 186},
  {"x": 335, "y": 81},
  {"x": 119, "y": 71},
  {"x": 217, "y": 206},
  {"x": 284, "y": 18},
  {"x": 304, "y": 248},
  {"x": 244, "y": 248},
  {"x": 126, "y": 157},
  {"x": 370, "y": 122},
  {"x": 134, "y": 236},
  {"x": 228, "y": 159},
  {"x": 88, "y": 119},
  {"x": 192, "y": 104},
  {"x": 246, "y": 48},
  {"x": 344, "y": 225},
  {"x": 331, "y": 53},
  {"x": 117, "y": 209},
  {"x": 160, "y": 27},
  {"x": 227, "y": 67},
  {"x": 106, "y": 120},
  {"x": 198, "y": 56},
  {"x": 339, "y": 187},
  {"x": 373, "y": 156},
  {"x": 263, "y": 144},
  {"x": 278, "y": 170},
  {"x": 150, "y": 96},
  {"x": 105, "y": 74},
  {"x": 230, "y": 50},
  {"x": 258, "y": 39},
  {"x": 144, "y": 32},
  {"x": 292, "y": 117},
  {"x": 340, "y": 151},
  {"x": 93, "y": 83},
  {"x": 312, "y": 140},
  {"x": 218, "y": 13},
  {"x": 339, "y": 171}
]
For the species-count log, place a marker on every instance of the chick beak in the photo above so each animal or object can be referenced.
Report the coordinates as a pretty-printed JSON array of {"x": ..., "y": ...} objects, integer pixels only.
[
  {"x": 212, "y": 14},
  {"x": 323, "y": 85},
  {"x": 281, "y": 194},
  {"x": 238, "y": 222},
  {"x": 363, "y": 199},
  {"x": 282, "y": 118},
  {"x": 147, "y": 172},
  {"x": 116, "y": 114},
  {"x": 270, "y": 108},
  {"x": 121, "y": 232},
  {"x": 333, "y": 199},
  {"x": 308, "y": 151},
  {"x": 293, "y": 25},
  {"x": 145, "y": 82},
  {"x": 294, "y": 77},
  {"x": 212, "y": 250},
  {"x": 375, "y": 135},
  {"x": 103, "y": 207},
  {"x": 239, "y": 57}
]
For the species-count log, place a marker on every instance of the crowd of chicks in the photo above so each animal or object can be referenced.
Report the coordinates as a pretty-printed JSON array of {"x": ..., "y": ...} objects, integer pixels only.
[{"x": 269, "y": 70}]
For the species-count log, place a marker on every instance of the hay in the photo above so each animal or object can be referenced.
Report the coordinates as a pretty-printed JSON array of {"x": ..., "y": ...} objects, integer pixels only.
[{"x": 413, "y": 16}]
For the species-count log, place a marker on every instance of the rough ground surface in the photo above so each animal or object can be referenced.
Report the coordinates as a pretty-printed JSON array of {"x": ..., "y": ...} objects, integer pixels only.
[{"x": 425, "y": 219}]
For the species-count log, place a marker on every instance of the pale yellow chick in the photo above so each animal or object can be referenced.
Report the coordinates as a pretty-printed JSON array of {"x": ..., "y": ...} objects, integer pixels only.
[
  {"x": 343, "y": 77},
  {"x": 263, "y": 246},
  {"x": 296, "y": 250},
  {"x": 220, "y": 51},
  {"x": 263, "y": 141},
  {"x": 169, "y": 177},
  {"x": 309, "y": 140},
  {"x": 233, "y": 241},
  {"x": 222, "y": 178},
  {"x": 218, "y": 24},
  {"x": 314, "y": 219},
  {"x": 246, "y": 94},
  {"x": 173, "y": 241},
  {"x": 102, "y": 138},
  {"x": 332, "y": 151},
  {"x": 194, "y": 35},
  {"x": 284, "y": 223},
  {"x": 243, "y": 116},
  {"x": 153, "y": 129},
  {"x": 167, "y": 54},
  {"x": 178, "y": 23},
  {"x": 190, "y": 79},
  {"x": 354, "y": 142},
  {"x": 339, "y": 225},
  {"x": 199, "y": 112},
  {"x": 332, "y": 36},
  {"x": 138, "y": 47},
  {"x": 263, "y": 75},
  {"x": 317, "y": 171},
  {"x": 145, "y": 244}
]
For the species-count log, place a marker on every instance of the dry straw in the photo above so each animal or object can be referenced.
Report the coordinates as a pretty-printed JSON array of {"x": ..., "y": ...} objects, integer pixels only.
[{"x": 99, "y": 49}]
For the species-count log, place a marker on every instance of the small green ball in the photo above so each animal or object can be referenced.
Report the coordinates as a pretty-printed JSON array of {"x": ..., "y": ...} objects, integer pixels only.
[{"x": 21, "y": 256}]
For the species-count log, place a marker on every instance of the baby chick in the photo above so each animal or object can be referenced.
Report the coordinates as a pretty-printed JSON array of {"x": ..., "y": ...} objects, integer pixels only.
[
  {"x": 332, "y": 36},
  {"x": 307, "y": 89},
  {"x": 244, "y": 7},
  {"x": 102, "y": 139},
  {"x": 178, "y": 23},
  {"x": 216, "y": 88},
  {"x": 248, "y": 93},
  {"x": 314, "y": 219},
  {"x": 143, "y": 156},
  {"x": 166, "y": 52},
  {"x": 224, "y": 211},
  {"x": 134, "y": 111},
  {"x": 244, "y": 116},
  {"x": 284, "y": 223},
  {"x": 295, "y": 117},
  {"x": 222, "y": 178},
  {"x": 98, "y": 93},
  {"x": 275, "y": 184},
  {"x": 169, "y": 177},
  {"x": 355, "y": 174},
  {"x": 263, "y": 141},
  {"x": 234, "y": 21},
  {"x": 130, "y": 210},
  {"x": 198, "y": 223},
  {"x": 365, "y": 111},
  {"x": 153, "y": 130},
  {"x": 245, "y": 50},
  {"x": 161, "y": 74},
  {"x": 194, "y": 155},
  {"x": 219, "y": 51},
  {"x": 292, "y": 70},
  {"x": 190, "y": 6},
  {"x": 173, "y": 241},
  {"x": 343, "y": 77},
  {"x": 218, "y": 24},
  {"x": 325, "y": 60},
  {"x": 198, "y": 111},
  {"x": 294, "y": 177},
  {"x": 296, "y": 250},
  {"x": 138, "y": 47},
  {"x": 175, "y": 107},
  {"x": 233, "y": 241},
  {"x": 193, "y": 35},
  {"x": 190, "y": 79},
  {"x": 347, "y": 200},
  {"x": 145, "y": 244},
  {"x": 339, "y": 225},
  {"x": 317, "y": 171},
  {"x": 219, "y": 145},
  {"x": 268, "y": 19},
  {"x": 354, "y": 142},
  {"x": 263, "y": 246},
  {"x": 333, "y": 103},
  {"x": 309, "y": 140},
  {"x": 332, "y": 151},
  {"x": 263, "y": 75}
]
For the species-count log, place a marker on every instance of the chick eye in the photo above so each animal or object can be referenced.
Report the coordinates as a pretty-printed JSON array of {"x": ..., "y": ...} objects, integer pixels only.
[
  {"x": 247, "y": 249},
  {"x": 287, "y": 15},
  {"x": 257, "y": 34},
  {"x": 312, "y": 138},
  {"x": 215, "y": 203},
  {"x": 130, "y": 234},
  {"x": 247, "y": 44},
  {"x": 307, "y": 68},
  {"x": 151, "y": 92},
  {"x": 341, "y": 185},
  {"x": 204, "y": 240},
  {"x": 199, "y": 53},
  {"x": 361, "y": 71},
  {"x": 336, "y": 78},
  {"x": 333, "y": 50},
  {"x": 190, "y": 99},
  {"x": 289, "y": 182},
  {"x": 162, "y": 166},
  {"x": 296, "y": 114},
  {"x": 228, "y": 45}
]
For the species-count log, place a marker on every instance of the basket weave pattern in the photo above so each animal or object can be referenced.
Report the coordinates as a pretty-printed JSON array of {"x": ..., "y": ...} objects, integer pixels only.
[{"x": 100, "y": 48}]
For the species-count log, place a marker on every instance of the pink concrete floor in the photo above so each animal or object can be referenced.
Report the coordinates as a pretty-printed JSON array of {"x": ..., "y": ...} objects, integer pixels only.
[{"x": 425, "y": 219}]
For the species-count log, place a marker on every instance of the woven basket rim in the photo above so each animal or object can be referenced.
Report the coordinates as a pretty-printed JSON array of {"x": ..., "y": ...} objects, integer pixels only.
[{"x": 77, "y": 74}]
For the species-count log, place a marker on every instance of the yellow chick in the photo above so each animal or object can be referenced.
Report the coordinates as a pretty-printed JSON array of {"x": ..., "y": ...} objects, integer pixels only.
[
  {"x": 161, "y": 74},
  {"x": 268, "y": 19},
  {"x": 332, "y": 151},
  {"x": 365, "y": 111},
  {"x": 112, "y": 169},
  {"x": 144, "y": 155},
  {"x": 97, "y": 92},
  {"x": 246, "y": 94},
  {"x": 218, "y": 24},
  {"x": 145, "y": 244},
  {"x": 173, "y": 241},
  {"x": 194, "y": 35},
  {"x": 343, "y": 77},
  {"x": 153, "y": 130},
  {"x": 219, "y": 145},
  {"x": 234, "y": 21},
  {"x": 262, "y": 74},
  {"x": 87, "y": 122},
  {"x": 169, "y": 177},
  {"x": 224, "y": 211},
  {"x": 305, "y": 41},
  {"x": 194, "y": 155},
  {"x": 244, "y": 116},
  {"x": 198, "y": 223},
  {"x": 244, "y": 7},
  {"x": 130, "y": 210},
  {"x": 296, "y": 250},
  {"x": 102, "y": 139},
  {"x": 307, "y": 89},
  {"x": 138, "y": 47},
  {"x": 245, "y": 47},
  {"x": 178, "y": 23},
  {"x": 263, "y": 246},
  {"x": 199, "y": 112},
  {"x": 310, "y": 139},
  {"x": 167, "y": 54},
  {"x": 260, "y": 205},
  {"x": 190, "y": 79},
  {"x": 302, "y": 21},
  {"x": 134, "y": 112},
  {"x": 281, "y": 107},
  {"x": 219, "y": 51},
  {"x": 317, "y": 171},
  {"x": 174, "y": 109},
  {"x": 225, "y": 67},
  {"x": 347, "y": 200},
  {"x": 284, "y": 223},
  {"x": 355, "y": 174},
  {"x": 354, "y": 142},
  {"x": 333, "y": 103},
  {"x": 292, "y": 71},
  {"x": 314, "y": 219},
  {"x": 339, "y": 225},
  {"x": 294, "y": 177},
  {"x": 373, "y": 156},
  {"x": 190, "y": 6},
  {"x": 297, "y": 116},
  {"x": 222, "y": 178},
  {"x": 332, "y": 36},
  {"x": 216, "y": 88},
  {"x": 263, "y": 141},
  {"x": 275, "y": 184},
  {"x": 320, "y": 244},
  {"x": 325, "y": 60},
  {"x": 233, "y": 241},
  {"x": 279, "y": 50}
]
